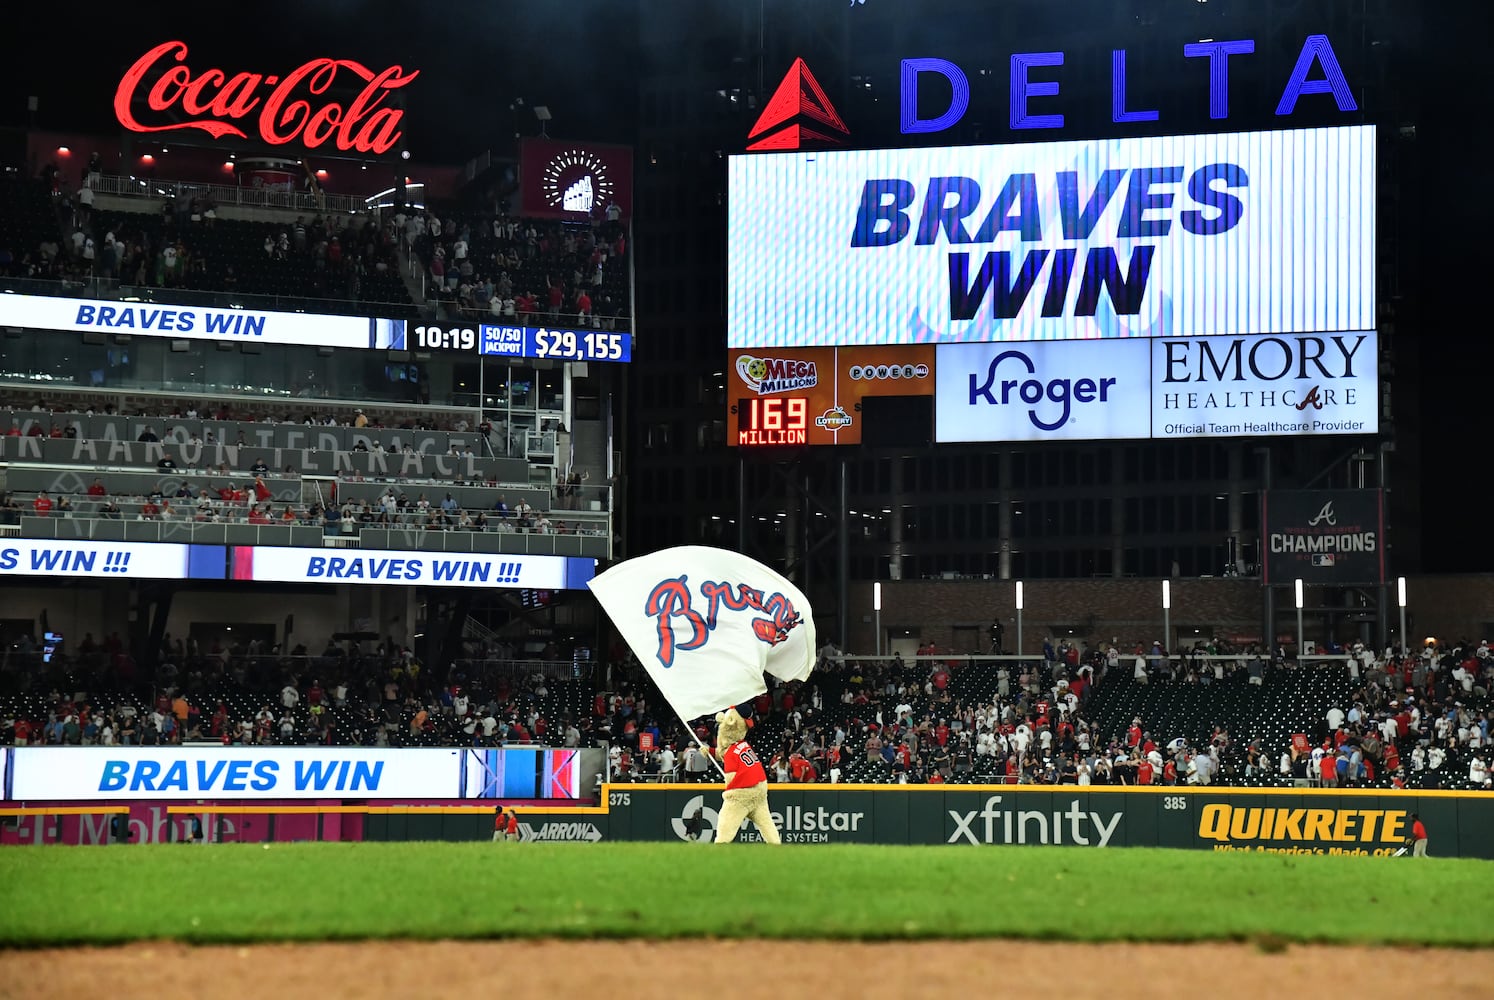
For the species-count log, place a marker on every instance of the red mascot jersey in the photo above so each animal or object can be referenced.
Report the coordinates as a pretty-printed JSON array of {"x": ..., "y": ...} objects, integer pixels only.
[{"x": 743, "y": 769}]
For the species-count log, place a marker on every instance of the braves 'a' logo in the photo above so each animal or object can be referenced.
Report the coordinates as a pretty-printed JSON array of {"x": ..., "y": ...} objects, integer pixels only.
[
  {"x": 1312, "y": 399},
  {"x": 681, "y": 627}
]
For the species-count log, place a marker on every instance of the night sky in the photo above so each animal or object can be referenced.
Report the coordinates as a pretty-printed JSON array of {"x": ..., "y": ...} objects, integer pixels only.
[{"x": 575, "y": 57}]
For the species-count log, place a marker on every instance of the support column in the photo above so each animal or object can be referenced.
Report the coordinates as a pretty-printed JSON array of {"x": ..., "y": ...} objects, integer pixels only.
[
  {"x": 1236, "y": 496},
  {"x": 1004, "y": 512},
  {"x": 895, "y": 529},
  {"x": 1117, "y": 512}
]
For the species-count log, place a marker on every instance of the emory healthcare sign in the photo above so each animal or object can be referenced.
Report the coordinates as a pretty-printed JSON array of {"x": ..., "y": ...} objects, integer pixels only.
[
  {"x": 211, "y": 101},
  {"x": 1167, "y": 236}
]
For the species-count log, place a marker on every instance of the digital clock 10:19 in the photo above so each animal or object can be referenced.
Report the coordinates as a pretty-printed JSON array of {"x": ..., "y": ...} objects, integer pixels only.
[
  {"x": 434, "y": 338},
  {"x": 782, "y": 421}
]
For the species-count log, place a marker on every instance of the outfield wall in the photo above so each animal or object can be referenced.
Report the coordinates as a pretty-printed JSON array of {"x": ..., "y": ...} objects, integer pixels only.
[
  {"x": 1291, "y": 821},
  {"x": 1303, "y": 821}
]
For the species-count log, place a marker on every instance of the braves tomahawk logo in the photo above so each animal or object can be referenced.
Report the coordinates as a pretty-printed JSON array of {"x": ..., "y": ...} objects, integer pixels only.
[
  {"x": 681, "y": 627},
  {"x": 1313, "y": 399},
  {"x": 1324, "y": 516}
]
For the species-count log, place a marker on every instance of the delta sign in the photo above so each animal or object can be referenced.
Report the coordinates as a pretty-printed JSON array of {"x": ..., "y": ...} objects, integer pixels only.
[{"x": 800, "y": 114}]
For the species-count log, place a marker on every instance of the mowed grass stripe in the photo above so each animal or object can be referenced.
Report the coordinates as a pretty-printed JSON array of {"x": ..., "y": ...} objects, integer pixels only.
[{"x": 243, "y": 893}]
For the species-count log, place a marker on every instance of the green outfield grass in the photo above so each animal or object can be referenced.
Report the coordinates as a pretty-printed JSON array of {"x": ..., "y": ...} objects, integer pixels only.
[{"x": 240, "y": 893}]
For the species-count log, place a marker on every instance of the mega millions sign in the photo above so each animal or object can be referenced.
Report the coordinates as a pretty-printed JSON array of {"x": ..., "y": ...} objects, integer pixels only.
[{"x": 1170, "y": 236}]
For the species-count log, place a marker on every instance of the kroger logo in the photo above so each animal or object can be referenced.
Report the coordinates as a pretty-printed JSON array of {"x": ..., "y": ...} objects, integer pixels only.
[{"x": 1050, "y": 404}]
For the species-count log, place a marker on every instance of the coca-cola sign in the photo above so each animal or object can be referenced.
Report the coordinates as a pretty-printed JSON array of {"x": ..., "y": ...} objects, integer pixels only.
[{"x": 282, "y": 106}]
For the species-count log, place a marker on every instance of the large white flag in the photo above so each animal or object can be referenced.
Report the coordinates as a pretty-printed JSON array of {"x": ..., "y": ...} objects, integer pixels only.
[{"x": 707, "y": 623}]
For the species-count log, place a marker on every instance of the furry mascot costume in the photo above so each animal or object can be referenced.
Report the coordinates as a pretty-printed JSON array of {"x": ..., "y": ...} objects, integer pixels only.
[{"x": 746, "y": 793}]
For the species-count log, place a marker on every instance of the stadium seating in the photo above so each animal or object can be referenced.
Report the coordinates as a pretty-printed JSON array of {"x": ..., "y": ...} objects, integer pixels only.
[
  {"x": 28, "y": 217},
  {"x": 228, "y": 256},
  {"x": 309, "y": 466},
  {"x": 558, "y": 253},
  {"x": 244, "y": 684},
  {"x": 1291, "y": 700}
]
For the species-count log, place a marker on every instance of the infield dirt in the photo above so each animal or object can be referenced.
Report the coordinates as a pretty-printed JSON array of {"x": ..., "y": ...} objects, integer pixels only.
[{"x": 686, "y": 968}]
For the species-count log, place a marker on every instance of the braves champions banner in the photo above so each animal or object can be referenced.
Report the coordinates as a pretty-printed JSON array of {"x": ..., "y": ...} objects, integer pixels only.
[
  {"x": 707, "y": 623},
  {"x": 1323, "y": 536},
  {"x": 1158, "y": 236}
]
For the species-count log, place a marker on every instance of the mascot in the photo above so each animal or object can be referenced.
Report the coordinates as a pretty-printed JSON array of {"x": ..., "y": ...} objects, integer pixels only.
[{"x": 746, "y": 793}]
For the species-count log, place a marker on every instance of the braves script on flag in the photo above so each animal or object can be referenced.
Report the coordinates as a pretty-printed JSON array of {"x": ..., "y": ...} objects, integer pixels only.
[{"x": 706, "y": 623}]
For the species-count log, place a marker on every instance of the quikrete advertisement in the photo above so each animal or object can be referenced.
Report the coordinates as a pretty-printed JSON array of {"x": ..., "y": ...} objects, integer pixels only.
[
  {"x": 1295, "y": 830},
  {"x": 1162, "y": 236}
]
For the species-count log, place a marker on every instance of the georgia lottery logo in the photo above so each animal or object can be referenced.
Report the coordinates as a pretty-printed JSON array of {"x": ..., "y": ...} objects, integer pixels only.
[
  {"x": 833, "y": 419},
  {"x": 873, "y": 373},
  {"x": 768, "y": 375},
  {"x": 576, "y": 180}
]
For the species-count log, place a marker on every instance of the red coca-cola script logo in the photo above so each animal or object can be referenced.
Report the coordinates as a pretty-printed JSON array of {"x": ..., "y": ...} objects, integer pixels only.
[{"x": 214, "y": 101}]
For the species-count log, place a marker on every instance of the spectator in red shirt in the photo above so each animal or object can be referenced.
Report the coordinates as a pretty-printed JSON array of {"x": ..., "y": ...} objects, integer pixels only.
[
  {"x": 42, "y": 504},
  {"x": 97, "y": 489},
  {"x": 261, "y": 491}
]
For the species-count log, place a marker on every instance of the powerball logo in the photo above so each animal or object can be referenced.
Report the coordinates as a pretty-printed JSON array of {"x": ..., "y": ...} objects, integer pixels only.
[{"x": 769, "y": 375}]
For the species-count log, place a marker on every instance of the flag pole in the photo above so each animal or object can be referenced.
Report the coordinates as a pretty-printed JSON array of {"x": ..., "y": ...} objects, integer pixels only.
[{"x": 701, "y": 743}]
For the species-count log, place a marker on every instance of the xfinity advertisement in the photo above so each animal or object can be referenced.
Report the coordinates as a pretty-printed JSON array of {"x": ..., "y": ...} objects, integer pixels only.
[
  {"x": 1148, "y": 237},
  {"x": 1163, "y": 388}
]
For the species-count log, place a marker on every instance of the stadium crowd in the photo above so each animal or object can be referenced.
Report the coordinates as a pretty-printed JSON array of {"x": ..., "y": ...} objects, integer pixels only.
[
  {"x": 1390, "y": 721},
  {"x": 1362, "y": 720},
  {"x": 349, "y": 694}
]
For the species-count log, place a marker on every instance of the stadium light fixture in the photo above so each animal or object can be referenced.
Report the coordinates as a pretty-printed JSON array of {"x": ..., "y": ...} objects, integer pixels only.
[
  {"x": 1301, "y": 644},
  {"x": 1400, "y": 594},
  {"x": 1020, "y": 602},
  {"x": 1166, "y": 615}
]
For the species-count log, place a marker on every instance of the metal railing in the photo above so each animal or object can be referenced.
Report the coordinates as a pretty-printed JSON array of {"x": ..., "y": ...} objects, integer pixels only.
[{"x": 228, "y": 194}]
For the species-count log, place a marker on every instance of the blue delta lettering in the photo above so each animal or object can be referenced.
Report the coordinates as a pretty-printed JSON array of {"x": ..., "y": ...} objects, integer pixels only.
[
  {"x": 1317, "y": 71},
  {"x": 167, "y": 320},
  {"x": 884, "y": 218},
  {"x": 51, "y": 560},
  {"x": 148, "y": 775}
]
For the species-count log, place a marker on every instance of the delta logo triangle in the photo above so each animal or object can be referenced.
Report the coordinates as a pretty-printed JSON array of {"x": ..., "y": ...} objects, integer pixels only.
[{"x": 800, "y": 94}]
